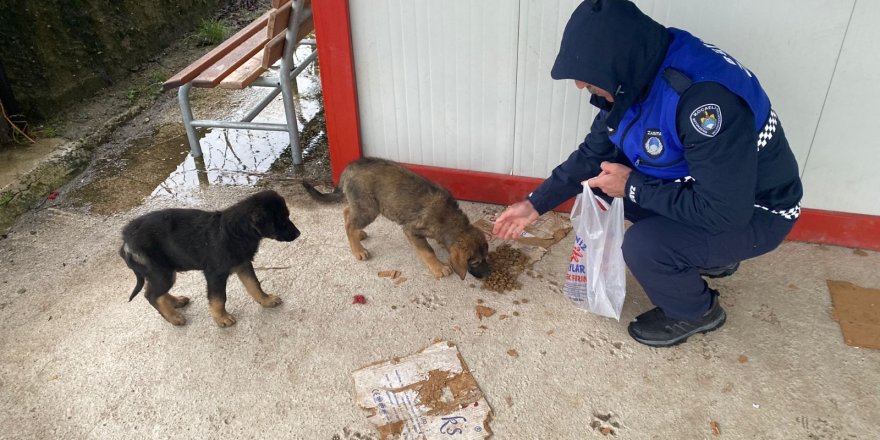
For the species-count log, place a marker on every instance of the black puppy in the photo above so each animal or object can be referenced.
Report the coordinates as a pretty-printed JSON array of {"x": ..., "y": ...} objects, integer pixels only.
[{"x": 219, "y": 243}]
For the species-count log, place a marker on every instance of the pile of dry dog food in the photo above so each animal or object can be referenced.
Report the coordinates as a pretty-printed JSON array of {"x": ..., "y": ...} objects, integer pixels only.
[{"x": 505, "y": 263}]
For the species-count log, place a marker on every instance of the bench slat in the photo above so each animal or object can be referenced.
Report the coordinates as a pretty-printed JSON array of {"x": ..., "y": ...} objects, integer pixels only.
[
  {"x": 273, "y": 51},
  {"x": 279, "y": 19},
  {"x": 194, "y": 69},
  {"x": 259, "y": 63},
  {"x": 245, "y": 74},
  {"x": 275, "y": 47},
  {"x": 212, "y": 76}
]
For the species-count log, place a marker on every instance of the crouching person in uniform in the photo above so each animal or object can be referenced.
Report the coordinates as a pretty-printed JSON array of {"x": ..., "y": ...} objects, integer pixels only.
[{"x": 688, "y": 137}]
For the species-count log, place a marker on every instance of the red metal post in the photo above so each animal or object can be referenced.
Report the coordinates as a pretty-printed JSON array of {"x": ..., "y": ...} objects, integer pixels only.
[{"x": 335, "y": 55}]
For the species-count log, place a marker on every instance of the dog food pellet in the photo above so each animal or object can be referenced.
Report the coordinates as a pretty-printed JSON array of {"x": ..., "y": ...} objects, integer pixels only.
[
  {"x": 505, "y": 264},
  {"x": 484, "y": 312},
  {"x": 399, "y": 281},
  {"x": 513, "y": 353},
  {"x": 516, "y": 302},
  {"x": 389, "y": 274},
  {"x": 359, "y": 299}
]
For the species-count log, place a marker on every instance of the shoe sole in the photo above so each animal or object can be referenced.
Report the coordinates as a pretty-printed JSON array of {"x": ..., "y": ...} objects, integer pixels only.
[
  {"x": 682, "y": 339},
  {"x": 719, "y": 275}
]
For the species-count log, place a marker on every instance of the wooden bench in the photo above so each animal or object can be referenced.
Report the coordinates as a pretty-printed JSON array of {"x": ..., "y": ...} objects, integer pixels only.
[{"x": 240, "y": 62}]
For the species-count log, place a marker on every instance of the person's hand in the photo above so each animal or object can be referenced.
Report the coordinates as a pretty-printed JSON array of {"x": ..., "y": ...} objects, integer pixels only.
[
  {"x": 514, "y": 220},
  {"x": 612, "y": 179}
]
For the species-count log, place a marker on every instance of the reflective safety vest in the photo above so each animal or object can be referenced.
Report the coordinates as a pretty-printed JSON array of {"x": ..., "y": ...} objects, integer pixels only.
[{"x": 648, "y": 133}]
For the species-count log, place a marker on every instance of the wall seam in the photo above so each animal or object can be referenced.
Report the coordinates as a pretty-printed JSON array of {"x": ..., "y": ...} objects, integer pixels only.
[{"x": 828, "y": 91}]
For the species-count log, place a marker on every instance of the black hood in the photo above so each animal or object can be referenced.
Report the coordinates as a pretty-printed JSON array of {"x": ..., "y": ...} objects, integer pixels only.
[{"x": 614, "y": 46}]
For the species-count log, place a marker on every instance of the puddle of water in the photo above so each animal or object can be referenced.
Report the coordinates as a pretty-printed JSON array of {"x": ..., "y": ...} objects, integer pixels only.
[
  {"x": 16, "y": 160},
  {"x": 160, "y": 166},
  {"x": 229, "y": 157},
  {"x": 242, "y": 157},
  {"x": 122, "y": 183}
]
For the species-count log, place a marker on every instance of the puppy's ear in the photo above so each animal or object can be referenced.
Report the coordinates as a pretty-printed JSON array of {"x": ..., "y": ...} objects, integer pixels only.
[
  {"x": 458, "y": 259},
  {"x": 258, "y": 221}
]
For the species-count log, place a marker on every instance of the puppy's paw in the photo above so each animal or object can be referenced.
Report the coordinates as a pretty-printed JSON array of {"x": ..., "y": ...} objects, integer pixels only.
[
  {"x": 361, "y": 255},
  {"x": 271, "y": 301},
  {"x": 224, "y": 320},
  {"x": 176, "y": 319},
  {"x": 180, "y": 302},
  {"x": 440, "y": 271}
]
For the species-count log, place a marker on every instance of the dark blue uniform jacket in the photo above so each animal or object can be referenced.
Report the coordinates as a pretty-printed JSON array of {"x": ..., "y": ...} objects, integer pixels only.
[{"x": 695, "y": 125}]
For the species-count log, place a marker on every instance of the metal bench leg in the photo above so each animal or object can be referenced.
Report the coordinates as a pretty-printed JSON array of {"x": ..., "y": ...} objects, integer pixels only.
[
  {"x": 289, "y": 108},
  {"x": 186, "y": 112},
  {"x": 285, "y": 80}
]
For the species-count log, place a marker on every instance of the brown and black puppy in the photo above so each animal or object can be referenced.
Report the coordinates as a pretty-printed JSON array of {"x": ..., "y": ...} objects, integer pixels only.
[
  {"x": 373, "y": 186},
  {"x": 158, "y": 245}
]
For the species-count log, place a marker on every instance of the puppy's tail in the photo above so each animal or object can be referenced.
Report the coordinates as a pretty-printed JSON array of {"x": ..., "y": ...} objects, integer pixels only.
[
  {"x": 335, "y": 196},
  {"x": 135, "y": 266}
]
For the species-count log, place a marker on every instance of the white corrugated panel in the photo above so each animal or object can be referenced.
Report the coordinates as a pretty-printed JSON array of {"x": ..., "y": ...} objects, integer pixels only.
[
  {"x": 552, "y": 117},
  {"x": 841, "y": 172},
  {"x": 437, "y": 80}
]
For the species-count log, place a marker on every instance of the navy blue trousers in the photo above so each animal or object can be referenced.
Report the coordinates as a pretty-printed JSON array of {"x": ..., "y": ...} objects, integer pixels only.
[{"x": 665, "y": 256}]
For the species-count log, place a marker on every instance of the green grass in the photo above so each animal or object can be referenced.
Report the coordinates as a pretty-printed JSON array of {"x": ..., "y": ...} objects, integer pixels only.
[
  {"x": 46, "y": 132},
  {"x": 213, "y": 32},
  {"x": 147, "y": 88}
]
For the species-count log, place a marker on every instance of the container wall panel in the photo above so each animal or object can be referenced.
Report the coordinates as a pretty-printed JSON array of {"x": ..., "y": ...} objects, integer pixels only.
[
  {"x": 841, "y": 172},
  {"x": 437, "y": 81}
]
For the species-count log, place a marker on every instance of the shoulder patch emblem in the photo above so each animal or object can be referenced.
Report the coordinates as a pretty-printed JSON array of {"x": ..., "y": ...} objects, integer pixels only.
[
  {"x": 653, "y": 143},
  {"x": 706, "y": 119}
]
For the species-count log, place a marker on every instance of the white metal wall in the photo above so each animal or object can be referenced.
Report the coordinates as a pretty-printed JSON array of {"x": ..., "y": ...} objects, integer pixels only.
[
  {"x": 552, "y": 117},
  {"x": 841, "y": 171},
  {"x": 437, "y": 80},
  {"x": 466, "y": 84}
]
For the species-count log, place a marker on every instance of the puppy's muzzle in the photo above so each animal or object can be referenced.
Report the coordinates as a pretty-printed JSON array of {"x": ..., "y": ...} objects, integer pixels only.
[
  {"x": 479, "y": 270},
  {"x": 288, "y": 233}
]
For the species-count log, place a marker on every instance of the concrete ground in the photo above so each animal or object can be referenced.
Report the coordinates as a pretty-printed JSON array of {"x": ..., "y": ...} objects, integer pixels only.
[{"x": 78, "y": 361}]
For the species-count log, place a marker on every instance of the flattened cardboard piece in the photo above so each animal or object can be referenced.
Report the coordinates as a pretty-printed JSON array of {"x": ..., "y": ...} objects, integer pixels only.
[
  {"x": 426, "y": 396},
  {"x": 536, "y": 239},
  {"x": 857, "y": 310}
]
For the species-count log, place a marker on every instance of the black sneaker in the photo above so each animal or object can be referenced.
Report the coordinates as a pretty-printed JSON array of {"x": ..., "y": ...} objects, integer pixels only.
[
  {"x": 654, "y": 328},
  {"x": 720, "y": 272}
]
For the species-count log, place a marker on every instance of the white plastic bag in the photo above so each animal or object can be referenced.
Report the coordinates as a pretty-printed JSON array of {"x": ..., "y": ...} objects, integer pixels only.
[{"x": 596, "y": 279}]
